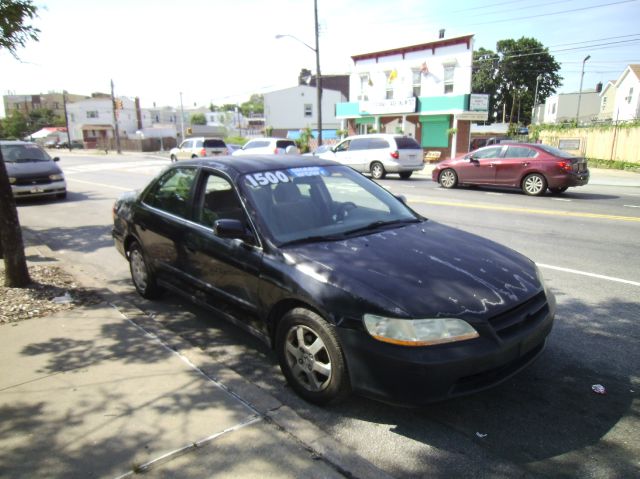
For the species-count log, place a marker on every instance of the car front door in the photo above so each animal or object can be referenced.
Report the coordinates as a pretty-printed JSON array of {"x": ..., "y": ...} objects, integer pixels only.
[
  {"x": 185, "y": 150},
  {"x": 511, "y": 168},
  {"x": 479, "y": 167},
  {"x": 161, "y": 220},
  {"x": 224, "y": 272}
]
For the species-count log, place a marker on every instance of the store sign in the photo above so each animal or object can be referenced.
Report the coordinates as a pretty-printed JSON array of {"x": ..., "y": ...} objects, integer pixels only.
[
  {"x": 382, "y": 107},
  {"x": 473, "y": 115},
  {"x": 571, "y": 144},
  {"x": 478, "y": 102}
]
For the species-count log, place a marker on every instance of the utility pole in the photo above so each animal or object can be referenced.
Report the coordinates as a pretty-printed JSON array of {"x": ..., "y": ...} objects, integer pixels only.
[
  {"x": 181, "y": 119},
  {"x": 580, "y": 93},
  {"x": 66, "y": 117},
  {"x": 318, "y": 75},
  {"x": 115, "y": 120}
]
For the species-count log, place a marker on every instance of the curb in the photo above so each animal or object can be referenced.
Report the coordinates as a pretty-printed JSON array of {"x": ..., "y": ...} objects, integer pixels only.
[{"x": 342, "y": 458}]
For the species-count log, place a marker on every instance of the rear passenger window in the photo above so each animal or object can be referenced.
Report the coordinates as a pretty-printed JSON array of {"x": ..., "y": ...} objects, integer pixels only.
[
  {"x": 378, "y": 144},
  {"x": 520, "y": 152},
  {"x": 359, "y": 144},
  {"x": 284, "y": 143},
  {"x": 198, "y": 143},
  {"x": 214, "y": 144},
  {"x": 256, "y": 144},
  {"x": 405, "y": 143}
]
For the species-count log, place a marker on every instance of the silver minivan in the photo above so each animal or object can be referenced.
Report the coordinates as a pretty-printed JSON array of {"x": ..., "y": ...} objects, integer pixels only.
[{"x": 378, "y": 154}]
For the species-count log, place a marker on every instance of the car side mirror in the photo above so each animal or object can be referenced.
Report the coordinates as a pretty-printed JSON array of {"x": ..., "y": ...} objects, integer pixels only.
[
  {"x": 231, "y": 229},
  {"x": 402, "y": 198}
]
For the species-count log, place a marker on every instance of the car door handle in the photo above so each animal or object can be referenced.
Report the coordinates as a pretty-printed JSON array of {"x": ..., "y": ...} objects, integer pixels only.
[
  {"x": 492, "y": 164},
  {"x": 525, "y": 163}
]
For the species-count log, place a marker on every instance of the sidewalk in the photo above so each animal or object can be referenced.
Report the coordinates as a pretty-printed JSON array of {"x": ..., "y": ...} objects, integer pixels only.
[{"x": 104, "y": 391}]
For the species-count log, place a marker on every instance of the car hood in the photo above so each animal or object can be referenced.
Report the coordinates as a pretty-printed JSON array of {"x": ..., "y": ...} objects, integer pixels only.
[
  {"x": 32, "y": 168},
  {"x": 423, "y": 270}
]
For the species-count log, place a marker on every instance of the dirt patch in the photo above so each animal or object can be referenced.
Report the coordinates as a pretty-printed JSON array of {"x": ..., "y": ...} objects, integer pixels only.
[{"x": 51, "y": 290}]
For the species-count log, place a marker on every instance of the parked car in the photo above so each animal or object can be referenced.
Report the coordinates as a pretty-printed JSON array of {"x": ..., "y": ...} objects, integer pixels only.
[
  {"x": 352, "y": 288},
  {"x": 378, "y": 154},
  {"x": 495, "y": 140},
  {"x": 32, "y": 172},
  {"x": 231, "y": 147},
  {"x": 268, "y": 146},
  {"x": 531, "y": 167},
  {"x": 318, "y": 151},
  {"x": 198, "y": 147},
  {"x": 74, "y": 145}
]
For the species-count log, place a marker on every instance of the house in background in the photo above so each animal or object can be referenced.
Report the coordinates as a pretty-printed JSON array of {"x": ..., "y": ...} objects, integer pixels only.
[
  {"x": 419, "y": 90},
  {"x": 42, "y": 101},
  {"x": 627, "y": 98},
  {"x": 607, "y": 101},
  {"x": 563, "y": 107}
]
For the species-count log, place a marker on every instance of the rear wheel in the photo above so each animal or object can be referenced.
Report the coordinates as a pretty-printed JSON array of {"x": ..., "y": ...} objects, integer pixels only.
[
  {"x": 448, "y": 178},
  {"x": 405, "y": 175},
  {"x": 143, "y": 278},
  {"x": 534, "y": 184},
  {"x": 311, "y": 357},
  {"x": 377, "y": 170},
  {"x": 173, "y": 158}
]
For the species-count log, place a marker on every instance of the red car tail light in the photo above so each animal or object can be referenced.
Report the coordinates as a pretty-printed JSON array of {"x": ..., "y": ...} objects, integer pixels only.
[
  {"x": 203, "y": 152},
  {"x": 565, "y": 166},
  {"x": 395, "y": 155},
  {"x": 275, "y": 151}
]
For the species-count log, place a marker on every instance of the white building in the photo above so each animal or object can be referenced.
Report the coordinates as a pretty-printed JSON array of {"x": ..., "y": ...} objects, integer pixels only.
[
  {"x": 607, "y": 101},
  {"x": 419, "y": 90},
  {"x": 627, "y": 102},
  {"x": 91, "y": 121},
  {"x": 563, "y": 107},
  {"x": 292, "y": 109}
]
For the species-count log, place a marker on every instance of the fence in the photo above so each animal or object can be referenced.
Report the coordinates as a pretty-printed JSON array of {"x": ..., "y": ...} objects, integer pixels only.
[{"x": 615, "y": 143}]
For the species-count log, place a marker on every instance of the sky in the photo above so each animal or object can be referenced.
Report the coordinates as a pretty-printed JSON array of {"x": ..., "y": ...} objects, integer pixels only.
[{"x": 222, "y": 51}]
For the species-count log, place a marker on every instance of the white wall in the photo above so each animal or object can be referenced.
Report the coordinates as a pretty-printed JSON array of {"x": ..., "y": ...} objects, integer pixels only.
[
  {"x": 79, "y": 111},
  {"x": 563, "y": 107},
  {"x": 627, "y": 97},
  {"x": 284, "y": 109},
  {"x": 432, "y": 82}
]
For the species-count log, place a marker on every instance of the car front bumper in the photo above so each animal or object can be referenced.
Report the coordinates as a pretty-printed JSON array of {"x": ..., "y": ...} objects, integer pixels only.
[
  {"x": 32, "y": 191},
  {"x": 416, "y": 376}
]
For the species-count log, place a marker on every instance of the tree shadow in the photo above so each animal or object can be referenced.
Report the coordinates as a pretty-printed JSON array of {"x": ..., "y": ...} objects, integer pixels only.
[{"x": 84, "y": 239}]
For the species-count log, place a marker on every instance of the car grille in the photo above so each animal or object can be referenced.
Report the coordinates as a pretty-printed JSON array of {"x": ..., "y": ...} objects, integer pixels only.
[
  {"x": 39, "y": 180},
  {"x": 514, "y": 321}
]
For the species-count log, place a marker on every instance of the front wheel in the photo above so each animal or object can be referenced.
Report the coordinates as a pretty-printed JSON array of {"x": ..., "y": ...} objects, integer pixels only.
[
  {"x": 377, "y": 171},
  {"x": 448, "y": 178},
  {"x": 173, "y": 158},
  {"x": 534, "y": 184},
  {"x": 143, "y": 278},
  {"x": 311, "y": 357}
]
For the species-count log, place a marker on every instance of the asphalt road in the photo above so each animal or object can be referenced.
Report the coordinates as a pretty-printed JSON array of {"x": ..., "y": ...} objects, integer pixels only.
[{"x": 545, "y": 422}]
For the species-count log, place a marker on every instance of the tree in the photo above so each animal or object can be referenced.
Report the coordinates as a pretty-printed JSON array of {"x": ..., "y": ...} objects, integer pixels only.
[
  {"x": 14, "y": 33},
  {"x": 510, "y": 74},
  {"x": 198, "y": 119},
  {"x": 254, "y": 105},
  {"x": 15, "y": 125}
]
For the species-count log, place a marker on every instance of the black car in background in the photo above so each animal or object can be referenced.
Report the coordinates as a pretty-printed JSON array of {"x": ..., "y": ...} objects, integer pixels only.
[
  {"x": 32, "y": 172},
  {"x": 353, "y": 289}
]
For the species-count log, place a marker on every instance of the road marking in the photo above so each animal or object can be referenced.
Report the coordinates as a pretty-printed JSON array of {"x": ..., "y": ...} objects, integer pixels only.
[
  {"x": 560, "y": 199},
  {"x": 631, "y": 206},
  {"x": 510, "y": 209},
  {"x": 99, "y": 184},
  {"x": 592, "y": 275},
  {"x": 495, "y": 194}
]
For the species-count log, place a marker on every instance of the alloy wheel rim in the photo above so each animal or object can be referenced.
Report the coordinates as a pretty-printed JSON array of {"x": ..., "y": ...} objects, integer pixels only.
[
  {"x": 308, "y": 358},
  {"x": 138, "y": 270},
  {"x": 533, "y": 184},
  {"x": 447, "y": 179},
  {"x": 377, "y": 171}
]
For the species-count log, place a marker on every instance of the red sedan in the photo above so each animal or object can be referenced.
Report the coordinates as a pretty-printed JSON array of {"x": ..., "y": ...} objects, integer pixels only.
[{"x": 531, "y": 167}]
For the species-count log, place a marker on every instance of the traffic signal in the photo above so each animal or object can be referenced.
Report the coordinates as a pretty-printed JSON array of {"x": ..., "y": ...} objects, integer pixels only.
[
  {"x": 118, "y": 104},
  {"x": 189, "y": 131}
]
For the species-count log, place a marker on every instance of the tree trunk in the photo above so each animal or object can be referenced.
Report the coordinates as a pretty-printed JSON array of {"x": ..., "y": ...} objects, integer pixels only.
[
  {"x": 513, "y": 105},
  {"x": 16, "y": 274}
]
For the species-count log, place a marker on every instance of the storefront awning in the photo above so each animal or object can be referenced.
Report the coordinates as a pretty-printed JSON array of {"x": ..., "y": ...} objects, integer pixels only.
[{"x": 97, "y": 127}]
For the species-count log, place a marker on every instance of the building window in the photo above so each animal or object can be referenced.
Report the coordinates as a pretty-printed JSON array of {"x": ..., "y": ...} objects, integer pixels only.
[
  {"x": 630, "y": 95},
  {"x": 72, "y": 117},
  {"x": 604, "y": 103},
  {"x": 308, "y": 110},
  {"x": 553, "y": 109},
  {"x": 416, "y": 76},
  {"x": 389, "y": 86},
  {"x": 92, "y": 114},
  {"x": 364, "y": 85},
  {"x": 448, "y": 78}
]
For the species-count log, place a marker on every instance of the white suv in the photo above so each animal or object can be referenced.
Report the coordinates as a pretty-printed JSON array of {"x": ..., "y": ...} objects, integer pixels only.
[
  {"x": 198, "y": 147},
  {"x": 378, "y": 154},
  {"x": 268, "y": 146}
]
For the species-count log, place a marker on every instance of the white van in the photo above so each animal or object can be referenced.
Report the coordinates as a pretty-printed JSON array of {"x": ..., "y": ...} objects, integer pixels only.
[{"x": 378, "y": 154}]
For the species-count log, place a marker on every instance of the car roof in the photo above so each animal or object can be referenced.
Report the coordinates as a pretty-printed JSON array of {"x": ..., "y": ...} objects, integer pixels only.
[
  {"x": 16, "y": 142},
  {"x": 240, "y": 165}
]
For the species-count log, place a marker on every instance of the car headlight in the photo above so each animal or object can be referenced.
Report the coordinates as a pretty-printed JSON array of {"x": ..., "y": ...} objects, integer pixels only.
[
  {"x": 418, "y": 332},
  {"x": 56, "y": 177},
  {"x": 12, "y": 180}
]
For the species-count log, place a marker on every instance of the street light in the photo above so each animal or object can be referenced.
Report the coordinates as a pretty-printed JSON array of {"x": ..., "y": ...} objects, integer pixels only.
[
  {"x": 318, "y": 75},
  {"x": 535, "y": 97},
  {"x": 580, "y": 93}
]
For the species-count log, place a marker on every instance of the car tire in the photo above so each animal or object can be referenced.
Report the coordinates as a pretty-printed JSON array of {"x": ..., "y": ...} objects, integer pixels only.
[
  {"x": 448, "y": 178},
  {"x": 377, "y": 170},
  {"x": 405, "y": 175},
  {"x": 173, "y": 158},
  {"x": 311, "y": 357},
  {"x": 557, "y": 191},
  {"x": 143, "y": 278},
  {"x": 534, "y": 184}
]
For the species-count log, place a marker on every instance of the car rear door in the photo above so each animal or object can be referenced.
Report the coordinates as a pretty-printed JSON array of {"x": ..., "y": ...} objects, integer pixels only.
[
  {"x": 516, "y": 161},
  {"x": 479, "y": 167}
]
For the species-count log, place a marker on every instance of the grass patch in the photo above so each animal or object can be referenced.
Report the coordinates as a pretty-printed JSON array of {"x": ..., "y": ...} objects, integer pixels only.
[{"x": 613, "y": 165}]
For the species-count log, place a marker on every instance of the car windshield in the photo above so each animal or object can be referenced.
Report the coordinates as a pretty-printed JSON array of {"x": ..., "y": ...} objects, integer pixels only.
[
  {"x": 556, "y": 151},
  {"x": 214, "y": 144},
  {"x": 23, "y": 153},
  {"x": 321, "y": 203}
]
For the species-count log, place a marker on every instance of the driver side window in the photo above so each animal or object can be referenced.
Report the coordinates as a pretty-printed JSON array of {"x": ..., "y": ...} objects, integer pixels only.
[
  {"x": 488, "y": 153},
  {"x": 172, "y": 192},
  {"x": 344, "y": 146},
  {"x": 218, "y": 200}
]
